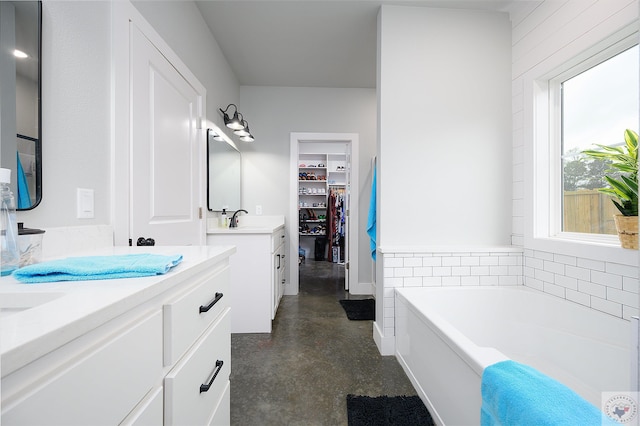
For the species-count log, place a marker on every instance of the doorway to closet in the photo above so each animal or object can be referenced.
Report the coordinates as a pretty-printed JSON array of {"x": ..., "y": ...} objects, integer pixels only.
[{"x": 323, "y": 214}]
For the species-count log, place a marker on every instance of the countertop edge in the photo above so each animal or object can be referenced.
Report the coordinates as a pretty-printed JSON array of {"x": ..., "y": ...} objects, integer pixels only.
[{"x": 17, "y": 356}]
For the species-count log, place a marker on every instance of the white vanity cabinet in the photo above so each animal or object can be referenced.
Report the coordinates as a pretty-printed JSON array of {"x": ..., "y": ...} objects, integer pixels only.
[
  {"x": 257, "y": 273},
  {"x": 144, "y": 351},
  {"x": 278, "y": 267}
]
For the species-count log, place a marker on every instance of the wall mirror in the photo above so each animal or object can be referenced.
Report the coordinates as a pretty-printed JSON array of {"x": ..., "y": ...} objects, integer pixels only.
[
  {"x": 20, "y": 125},
  {"x": 224, "y": 163}
]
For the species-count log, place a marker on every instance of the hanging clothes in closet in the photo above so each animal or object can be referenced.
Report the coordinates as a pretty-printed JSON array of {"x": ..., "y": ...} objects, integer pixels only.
[{"x": 336, "y": 224}]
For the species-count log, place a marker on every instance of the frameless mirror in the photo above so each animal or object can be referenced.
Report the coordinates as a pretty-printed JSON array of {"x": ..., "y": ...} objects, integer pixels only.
[
  {"x": 223, "y": 173},
  {"x": 20, "y": 129}
]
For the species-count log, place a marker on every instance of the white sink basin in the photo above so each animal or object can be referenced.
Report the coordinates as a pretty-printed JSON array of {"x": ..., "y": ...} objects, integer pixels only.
[{"x": 14, "y": 302}]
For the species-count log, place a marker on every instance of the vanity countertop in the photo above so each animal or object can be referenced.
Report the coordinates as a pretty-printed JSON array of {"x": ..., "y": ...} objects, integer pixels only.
[
  {"x": 66, "y": 310},
  {"x": 248, "y": 224}
]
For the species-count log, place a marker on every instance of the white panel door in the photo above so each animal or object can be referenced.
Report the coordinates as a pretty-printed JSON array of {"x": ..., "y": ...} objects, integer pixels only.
[{"x": 165, "y": 167}]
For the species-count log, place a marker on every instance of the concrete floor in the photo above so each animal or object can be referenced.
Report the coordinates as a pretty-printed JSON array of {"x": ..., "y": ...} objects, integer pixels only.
[{"x": 301, "y": 373}]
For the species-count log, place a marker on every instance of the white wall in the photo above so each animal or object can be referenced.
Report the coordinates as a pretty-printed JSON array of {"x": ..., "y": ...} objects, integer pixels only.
[
  {"x": 76, "y": 97},
  {"x": 444, "y": 153},
  {"x": 182, "y": 27},
  {"x": 273, "y": 113},
  {"x": 545, "y": 36},
  {"x": 444, "y": 127},
  {"x": 8, "y": 80},
  {"x": 76, "y": 128}
]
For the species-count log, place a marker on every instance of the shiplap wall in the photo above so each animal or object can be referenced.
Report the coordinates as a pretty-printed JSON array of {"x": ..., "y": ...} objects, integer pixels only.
[{"x": 546, "y": 35}]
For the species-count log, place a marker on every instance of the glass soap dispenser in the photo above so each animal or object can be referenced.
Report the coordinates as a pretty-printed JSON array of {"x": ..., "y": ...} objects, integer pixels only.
[{"x": 10, "y": 255}]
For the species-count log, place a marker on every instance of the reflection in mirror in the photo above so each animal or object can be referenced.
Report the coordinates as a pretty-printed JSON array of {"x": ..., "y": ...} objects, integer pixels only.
[
  {"x": 20, "y": 126},
  {"x": 223, "y": 172}
]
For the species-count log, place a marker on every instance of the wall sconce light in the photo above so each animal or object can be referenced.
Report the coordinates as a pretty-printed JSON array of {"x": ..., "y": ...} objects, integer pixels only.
[
  {"x": 213, "y": 134},
  {"x": 234, "y": 123},
  {"x": 238, "y": 124},
  {"x": 216, "y": 134}
]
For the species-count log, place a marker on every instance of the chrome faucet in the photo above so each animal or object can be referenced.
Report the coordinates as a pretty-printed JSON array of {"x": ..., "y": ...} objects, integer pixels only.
[{"x": 234, "y": 220}]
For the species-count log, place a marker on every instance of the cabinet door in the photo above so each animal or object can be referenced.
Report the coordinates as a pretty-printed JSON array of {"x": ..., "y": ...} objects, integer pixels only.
[
  {"x": 275, "y": 277},
  {"x": 277, "y": 283},
  {"x": 148, "y": 413},
  {"x": 101, "y": 386},
  {"x": 282, "y": 281}
]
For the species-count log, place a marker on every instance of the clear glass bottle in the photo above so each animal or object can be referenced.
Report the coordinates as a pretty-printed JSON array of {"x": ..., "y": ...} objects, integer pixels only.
[
  {"x": 10, "y": 255},
  {"x": 223, "y": 219}
]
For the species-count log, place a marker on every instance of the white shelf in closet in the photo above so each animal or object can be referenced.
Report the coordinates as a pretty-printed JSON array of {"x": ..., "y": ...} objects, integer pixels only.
[{"x": 315, "y": 166}]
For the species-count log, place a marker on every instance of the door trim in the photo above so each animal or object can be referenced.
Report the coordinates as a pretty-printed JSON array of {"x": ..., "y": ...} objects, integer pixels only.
[{"x": 293, "y": 284}]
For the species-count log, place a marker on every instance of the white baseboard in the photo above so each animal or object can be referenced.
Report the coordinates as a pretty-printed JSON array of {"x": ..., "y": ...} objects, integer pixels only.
[
  {"x": 386, "y": 345},
  {"x": 361, "y": 288}
]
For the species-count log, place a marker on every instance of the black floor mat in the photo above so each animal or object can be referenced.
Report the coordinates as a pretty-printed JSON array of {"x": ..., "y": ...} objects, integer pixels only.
[
  {"x": 387, "y": 410},
  {"x": 360, "y": 309}
]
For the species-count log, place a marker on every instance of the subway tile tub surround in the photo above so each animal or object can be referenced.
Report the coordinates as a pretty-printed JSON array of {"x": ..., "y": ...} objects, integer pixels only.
[
  {"x": 604, "y": 286},
  {"x": 429, "y": 267}
]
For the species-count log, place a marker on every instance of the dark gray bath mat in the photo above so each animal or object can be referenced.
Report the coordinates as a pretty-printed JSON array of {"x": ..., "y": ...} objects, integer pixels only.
[
  {"x": 387, "y": 410},
  {"x": 360, "y": 309}
]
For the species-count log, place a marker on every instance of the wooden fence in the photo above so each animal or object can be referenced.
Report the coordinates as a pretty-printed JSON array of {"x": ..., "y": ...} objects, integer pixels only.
[{"x": 589, "y": 211}]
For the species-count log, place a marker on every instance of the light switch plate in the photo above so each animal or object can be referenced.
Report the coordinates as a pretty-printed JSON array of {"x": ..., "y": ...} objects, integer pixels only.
[{"x": 84, "y": 203}]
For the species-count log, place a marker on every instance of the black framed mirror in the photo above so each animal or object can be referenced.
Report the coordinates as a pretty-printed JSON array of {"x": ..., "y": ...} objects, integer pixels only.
[
  {"x": 224, "y": 164},
  {"x": 20, "y": 85}
]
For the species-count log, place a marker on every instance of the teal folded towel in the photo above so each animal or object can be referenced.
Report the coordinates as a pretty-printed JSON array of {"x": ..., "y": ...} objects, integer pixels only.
[
  {"x": 517, "y": 394},
  {"x": 97, "y": 268}
]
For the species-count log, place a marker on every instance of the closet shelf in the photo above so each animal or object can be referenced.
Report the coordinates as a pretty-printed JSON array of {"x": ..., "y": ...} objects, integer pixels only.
[{"x": 331, "y": 178}]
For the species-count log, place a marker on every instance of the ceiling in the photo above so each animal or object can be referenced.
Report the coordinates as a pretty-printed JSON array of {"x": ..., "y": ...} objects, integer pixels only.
[{"x": 307, "y": 43}]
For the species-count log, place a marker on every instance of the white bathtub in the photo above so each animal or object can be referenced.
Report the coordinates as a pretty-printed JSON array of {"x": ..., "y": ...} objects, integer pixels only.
[{"x": 445, "y": 337}]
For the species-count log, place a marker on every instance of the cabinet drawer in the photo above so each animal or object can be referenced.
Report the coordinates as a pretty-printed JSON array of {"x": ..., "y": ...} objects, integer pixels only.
[
  {"x": 222, "y": 415},
  {"x": 277, "y": 239},
  {"x": 101, "y": 386},
  {"x": 186, "y": 401},
  {"x": 188, "y": 316}
]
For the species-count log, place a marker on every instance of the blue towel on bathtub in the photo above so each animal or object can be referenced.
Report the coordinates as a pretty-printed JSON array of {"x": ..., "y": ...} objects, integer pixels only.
[
  {"x": 97, "y": 268},
  {"x": 517, "y": 394}
]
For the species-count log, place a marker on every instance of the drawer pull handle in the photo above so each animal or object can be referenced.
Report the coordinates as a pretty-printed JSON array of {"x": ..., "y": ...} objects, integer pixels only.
[
  {"x": 210, "y": 305},
  {"x": 204, "y": 388}
]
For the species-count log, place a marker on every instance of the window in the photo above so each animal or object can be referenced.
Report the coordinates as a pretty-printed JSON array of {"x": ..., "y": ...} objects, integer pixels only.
[{"x": 596, "y": 101}]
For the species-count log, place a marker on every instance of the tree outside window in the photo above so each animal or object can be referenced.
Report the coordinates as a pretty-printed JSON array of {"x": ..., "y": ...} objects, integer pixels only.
[{"x": 597, "y": 106}]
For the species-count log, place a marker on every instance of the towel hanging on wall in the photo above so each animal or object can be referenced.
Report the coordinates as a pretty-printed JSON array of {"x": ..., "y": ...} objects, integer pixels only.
[
  {"x": 371, "y": 220},
  {"x": 24, "y": 199}
]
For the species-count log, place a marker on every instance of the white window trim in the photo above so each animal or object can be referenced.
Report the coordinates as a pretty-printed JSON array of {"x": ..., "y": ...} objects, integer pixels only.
[{"x": 543, "y": 231}]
